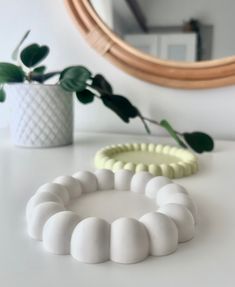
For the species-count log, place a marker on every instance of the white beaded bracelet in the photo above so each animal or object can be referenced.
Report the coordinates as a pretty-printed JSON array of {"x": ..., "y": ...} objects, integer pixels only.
[
  {"x": 173, "y": 162},
  {"x": 125, "y": 240}
]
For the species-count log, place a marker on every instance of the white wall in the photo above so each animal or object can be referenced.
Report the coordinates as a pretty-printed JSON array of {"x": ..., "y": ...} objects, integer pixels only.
[
  {"x": 208, "y": 110},
  {"x": 218, "y": 13}
]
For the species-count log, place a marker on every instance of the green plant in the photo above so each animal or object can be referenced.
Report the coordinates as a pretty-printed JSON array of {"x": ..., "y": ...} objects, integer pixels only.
[{"x": 87, "y": 87}]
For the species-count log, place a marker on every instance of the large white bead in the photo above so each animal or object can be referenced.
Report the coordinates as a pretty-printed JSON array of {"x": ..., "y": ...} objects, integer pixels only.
[
  {"x": 163, "y": 233},
  {"x": 105, "y": 179},
  {"x": 164, "y": 192},
  {"x": 129, "y": 241},
  {"x": 72, "y": 184},
  {"x": 183, "y": 199},
  {"x": 57, "y": 189},
  {"x": 183, "y": 219},
  {"x": 40, "y": 215},
  {"x": 90, "y": 241},
  {"x": 155, "y": 184},
  {"x": 139, "y": 181},
  {"x": 58, "y": 230},
  {"x": 40, "y": 198},
  {"x": 88, "y": 181},
  {"x": 122, "y": 179}
]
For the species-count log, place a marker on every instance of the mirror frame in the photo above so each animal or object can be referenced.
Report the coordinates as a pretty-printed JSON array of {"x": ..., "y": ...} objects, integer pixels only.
[{"x": 200, "y": 75}]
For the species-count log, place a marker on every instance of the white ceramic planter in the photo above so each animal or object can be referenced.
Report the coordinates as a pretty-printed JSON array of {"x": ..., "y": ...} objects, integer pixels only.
[{"x": 41, "y": 115}]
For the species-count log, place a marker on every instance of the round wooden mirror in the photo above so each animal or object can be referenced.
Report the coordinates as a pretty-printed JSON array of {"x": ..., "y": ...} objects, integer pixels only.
[{"x": 177, "y": 74}]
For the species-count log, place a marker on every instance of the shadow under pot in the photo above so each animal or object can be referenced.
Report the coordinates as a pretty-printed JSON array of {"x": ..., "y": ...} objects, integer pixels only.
[{"x": 41, "y": 115}]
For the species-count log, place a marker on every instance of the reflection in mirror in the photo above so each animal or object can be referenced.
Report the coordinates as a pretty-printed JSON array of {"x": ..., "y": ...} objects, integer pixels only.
[{"x": 178, "y": 30}]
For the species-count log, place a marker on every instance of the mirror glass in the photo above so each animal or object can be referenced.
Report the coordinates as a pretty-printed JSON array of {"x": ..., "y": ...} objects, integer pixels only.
[{"x": 177, "y": 30}]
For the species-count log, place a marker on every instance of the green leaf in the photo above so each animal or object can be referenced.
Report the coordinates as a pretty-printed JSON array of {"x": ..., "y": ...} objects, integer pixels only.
[
  {"x": 75, "y": 72},
  {"x": 33, "y": 54},
  {"x": 121, "y": 106},
  {"x": 166, "y": 125},
  {"x": 43, "y": 77},
  {"x": 2, "y": 95},
  {"x": 199, "y": 141},
  {"x": 14, "y": 55},
  {"x": 71, "y": 85},
  {"x": 101, "y": 84},
  {"x": 10, "y": 73},
  {"x": 85, "y": 96},
  {"x": 39, "y": 70},
  {"x": 74, "y": 79}
]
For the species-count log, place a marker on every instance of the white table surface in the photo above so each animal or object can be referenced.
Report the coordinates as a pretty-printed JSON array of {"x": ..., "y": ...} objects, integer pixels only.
[{"x": 207, "y": 260}]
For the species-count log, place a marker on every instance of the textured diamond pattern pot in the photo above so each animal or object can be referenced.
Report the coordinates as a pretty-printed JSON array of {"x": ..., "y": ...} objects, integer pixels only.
[{"x": 41, "y": 115}]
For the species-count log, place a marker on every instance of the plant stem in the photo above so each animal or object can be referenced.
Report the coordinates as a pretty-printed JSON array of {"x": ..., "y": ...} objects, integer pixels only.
[
  {"x": 145, "y": 124},
  {"x": 142, "y": 118},
  {"x": 29, "y": 76},
  {"x": 96, "y": 89},
  {"x": 151, "y": 121},
  {"x": 97, "y": 96},
  {"x": 90, "y": 88},
  {"x": 158, "y": 124}
]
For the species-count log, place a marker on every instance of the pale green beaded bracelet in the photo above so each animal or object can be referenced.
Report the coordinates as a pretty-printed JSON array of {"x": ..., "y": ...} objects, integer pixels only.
[{"x": 157, "y": 159}]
